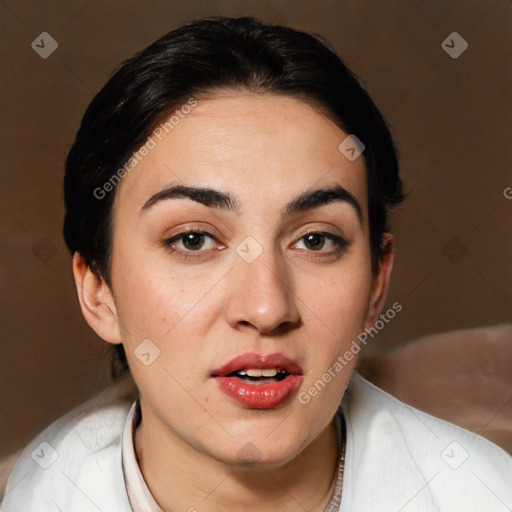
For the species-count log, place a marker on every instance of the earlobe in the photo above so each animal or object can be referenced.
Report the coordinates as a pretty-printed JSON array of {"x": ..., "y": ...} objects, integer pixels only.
[
  {"x": 96, "y": 301},
  {"x": 381, "y": 280}
]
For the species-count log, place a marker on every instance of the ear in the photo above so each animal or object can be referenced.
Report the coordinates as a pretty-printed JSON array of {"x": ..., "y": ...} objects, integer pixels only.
[
  {"x": 381, "y": 279},
  {"x": 96, "y": 301}
]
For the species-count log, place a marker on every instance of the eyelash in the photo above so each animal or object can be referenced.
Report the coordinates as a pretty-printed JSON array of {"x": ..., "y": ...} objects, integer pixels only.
[
  {"x": 340, "y": 242},
  {"x": 187, "y": 254}
]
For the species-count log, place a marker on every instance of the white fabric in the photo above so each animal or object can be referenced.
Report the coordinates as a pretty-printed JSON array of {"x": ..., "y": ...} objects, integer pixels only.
[
  {"x": 397, "y": 458},
  {"x": 401, "y": 459},
  {"x": 140, "y": 497}
]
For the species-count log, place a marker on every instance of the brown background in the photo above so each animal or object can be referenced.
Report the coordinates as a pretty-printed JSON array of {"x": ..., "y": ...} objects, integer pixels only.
[{"x": 452, "y": 120}]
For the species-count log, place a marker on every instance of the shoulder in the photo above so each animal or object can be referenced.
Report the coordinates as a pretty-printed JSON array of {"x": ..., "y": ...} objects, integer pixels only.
[
  {"x": 472, "y": 391},
  {"x": 73, "y": 464},
  {"x": 407, "y": 454}
]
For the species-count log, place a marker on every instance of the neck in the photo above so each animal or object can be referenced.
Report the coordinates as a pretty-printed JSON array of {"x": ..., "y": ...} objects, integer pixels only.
[{"x": 182, "y": 478}]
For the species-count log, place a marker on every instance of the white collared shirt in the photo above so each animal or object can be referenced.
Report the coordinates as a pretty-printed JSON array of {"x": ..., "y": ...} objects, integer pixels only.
[
  {"x": 397, "y": 458},
  {"x": 141, "y": 499}
]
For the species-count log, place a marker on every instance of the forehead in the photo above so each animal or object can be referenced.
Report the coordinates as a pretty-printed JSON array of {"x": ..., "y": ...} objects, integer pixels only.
[{"x": 256, "y": 146}]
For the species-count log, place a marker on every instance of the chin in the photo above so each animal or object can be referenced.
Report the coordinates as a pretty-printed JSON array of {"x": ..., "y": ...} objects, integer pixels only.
[
  {"x": 250, "y": 457},
  {"x": 260, "y": 451}
]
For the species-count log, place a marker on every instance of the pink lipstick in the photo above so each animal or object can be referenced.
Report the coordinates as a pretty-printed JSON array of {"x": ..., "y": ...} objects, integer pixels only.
[{"x": 257, "y": 381}]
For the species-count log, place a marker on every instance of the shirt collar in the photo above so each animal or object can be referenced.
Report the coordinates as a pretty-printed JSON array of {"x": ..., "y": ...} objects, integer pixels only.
[{"x": 141, "y": 499}]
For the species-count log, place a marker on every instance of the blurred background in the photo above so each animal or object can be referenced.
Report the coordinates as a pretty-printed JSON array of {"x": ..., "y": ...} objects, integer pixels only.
[{"x": 448, "y": 98}]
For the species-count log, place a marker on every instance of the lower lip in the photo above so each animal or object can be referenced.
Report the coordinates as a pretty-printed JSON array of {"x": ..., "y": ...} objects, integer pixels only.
[{"x": 260, "y": 396}]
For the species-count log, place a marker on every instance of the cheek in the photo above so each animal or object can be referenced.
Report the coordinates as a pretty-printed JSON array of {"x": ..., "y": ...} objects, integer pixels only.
[
  {"x": 338, "y": 300},
  {"x": 154, "y": 301},
  {"x": 168, "y": 311}
]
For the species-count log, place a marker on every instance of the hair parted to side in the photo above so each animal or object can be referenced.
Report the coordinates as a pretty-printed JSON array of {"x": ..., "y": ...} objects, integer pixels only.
[{"x": 201, "y": 57}]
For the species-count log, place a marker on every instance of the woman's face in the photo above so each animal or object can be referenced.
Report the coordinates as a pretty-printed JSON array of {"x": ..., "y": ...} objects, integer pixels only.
[{"x": 272, "y": 275}]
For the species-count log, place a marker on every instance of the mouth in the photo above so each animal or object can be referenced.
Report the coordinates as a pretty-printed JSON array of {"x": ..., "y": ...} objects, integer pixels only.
[
  {"x": 260, "y": 376},
  {"x": 257, "y": 381}
]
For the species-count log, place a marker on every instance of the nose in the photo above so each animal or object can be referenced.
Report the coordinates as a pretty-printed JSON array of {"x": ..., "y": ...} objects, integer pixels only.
[{"x": 261, "y": 296}]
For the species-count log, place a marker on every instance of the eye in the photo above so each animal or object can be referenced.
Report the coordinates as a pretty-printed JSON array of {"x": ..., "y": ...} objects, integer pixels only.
[
  {"x": 192, "y": 241},
  {"x": 321, "y": 242}
]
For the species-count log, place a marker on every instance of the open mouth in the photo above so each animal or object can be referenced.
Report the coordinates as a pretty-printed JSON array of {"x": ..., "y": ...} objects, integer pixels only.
[
  {"x": 257, "y": 381},
  {"x": 265, "y": 375}
]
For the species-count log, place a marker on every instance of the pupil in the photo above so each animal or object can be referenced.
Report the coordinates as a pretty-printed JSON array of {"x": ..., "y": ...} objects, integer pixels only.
[
  {"x": 193, "y": 240},
  {"x": 314, "y": 241}
]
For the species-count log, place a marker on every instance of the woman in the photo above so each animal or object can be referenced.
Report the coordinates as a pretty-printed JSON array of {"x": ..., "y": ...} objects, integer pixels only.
[{"x": 227, "y": 203}]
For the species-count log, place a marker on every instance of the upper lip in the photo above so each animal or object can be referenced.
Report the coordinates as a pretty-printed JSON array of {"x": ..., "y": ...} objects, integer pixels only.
[{"x": 258, "y": 361}]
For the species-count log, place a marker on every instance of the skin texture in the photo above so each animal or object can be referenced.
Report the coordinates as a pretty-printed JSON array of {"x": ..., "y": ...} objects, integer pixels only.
[{"x": 264, "y": 150}]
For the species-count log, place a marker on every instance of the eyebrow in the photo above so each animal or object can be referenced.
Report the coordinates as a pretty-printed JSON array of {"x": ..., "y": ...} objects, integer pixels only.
[
  {"x": 321, "y": 197},
  {"x": 222, "y": 200},
  {"x": 207, "y": 196}
]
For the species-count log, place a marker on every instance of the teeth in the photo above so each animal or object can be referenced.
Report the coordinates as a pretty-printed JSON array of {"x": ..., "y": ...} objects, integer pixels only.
[{"x": 256, "y": 372}]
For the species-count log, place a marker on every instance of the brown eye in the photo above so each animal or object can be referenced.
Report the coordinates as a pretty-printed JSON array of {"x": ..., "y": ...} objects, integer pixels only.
[
  {"x": 321, "y": 242},
  {"x": 314, "y": 241},
  {"x": 192, "y": 241}
]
